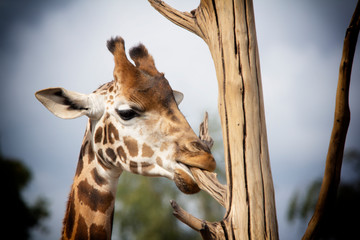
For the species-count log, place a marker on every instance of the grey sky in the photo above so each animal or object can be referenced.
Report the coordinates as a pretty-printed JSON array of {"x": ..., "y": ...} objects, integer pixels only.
[{"x": 57, "y": 43}]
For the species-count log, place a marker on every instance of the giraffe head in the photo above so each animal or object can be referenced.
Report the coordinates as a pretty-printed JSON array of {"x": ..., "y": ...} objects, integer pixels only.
[{"x": 135, "y": 123}]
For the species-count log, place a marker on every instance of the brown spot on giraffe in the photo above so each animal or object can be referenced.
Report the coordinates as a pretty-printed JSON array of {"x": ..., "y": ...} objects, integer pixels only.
[
  {"x": 93, "y": 198},
  {"x": 81, "y": 229},
  {"x": 164, "y": 146},
  {"x": 113, "y": 133},
  {"x": 100, "y": 159},
  {"x": 97, "y": 232},
  {"x": 134, "y": 167},
  {"x": 147, "y": 151},
  {"x": 69, "y": 219},
  {"x": 111, "y": 154},
  {"x": 101, "y": 155},
  {"x": 159, "y": 161},
  {"x": 97, "y": 178},
  {"x": 91, "y": 126},
  {"x": 132, "y": 146},
  {"x": 174, "y": 118},
  {"x": 98, "y": 135},
  {"x": 173, "y": 129},
  {"x": 91, "y": 154},
  {"x": 145, "y": 167},
  {"x": 80, "y": 162},
  {"x": 79, "y": 167},
  {"x": 121, "y": 152},
  {"x": 105, "y": 140},
  {"x": 105, "y": 135}
]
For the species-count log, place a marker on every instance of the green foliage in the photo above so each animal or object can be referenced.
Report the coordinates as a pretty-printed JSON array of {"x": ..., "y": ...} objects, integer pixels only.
[
  {"x": 18, "y": 216},
  {"x": 305, "y": 207},
  {"x": 342, "y": 222},
  {"x": 144, "y": 209}
]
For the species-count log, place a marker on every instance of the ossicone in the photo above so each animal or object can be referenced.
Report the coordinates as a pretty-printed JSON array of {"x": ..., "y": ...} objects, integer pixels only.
[
  {"x": 143, "y": 60},
  {"x": 115, "y": 42},
  {"x": 124, "y": 70}
]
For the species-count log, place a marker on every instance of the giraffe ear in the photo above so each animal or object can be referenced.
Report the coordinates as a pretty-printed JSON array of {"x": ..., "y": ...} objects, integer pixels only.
[
  {"x": 178, "y": 96},
  {"x": 66, "y": 104}
]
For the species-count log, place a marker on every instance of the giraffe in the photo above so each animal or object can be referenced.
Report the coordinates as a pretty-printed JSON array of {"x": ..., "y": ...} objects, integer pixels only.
[{"x": 134, "y": 125}]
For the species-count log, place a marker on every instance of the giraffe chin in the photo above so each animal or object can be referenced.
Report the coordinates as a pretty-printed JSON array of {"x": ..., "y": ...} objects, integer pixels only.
[{"x": 185, "y": 182}]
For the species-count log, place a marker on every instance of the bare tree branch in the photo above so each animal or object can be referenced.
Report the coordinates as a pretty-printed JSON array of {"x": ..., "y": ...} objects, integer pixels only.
[
  {"x": 186, "y": 217},
  {"x": 327, "y": 196},
  {"x": 208, "y": 230},
  {"x": 183, "y": 19},
  {"x": 204, "y": 132},
  {"x": 208, "y": 181}
]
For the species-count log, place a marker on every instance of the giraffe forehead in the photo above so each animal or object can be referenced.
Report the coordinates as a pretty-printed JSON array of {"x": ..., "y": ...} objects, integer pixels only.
[
  {"x": 148, "y": 93},
  {"x": 154, "y": 93}
]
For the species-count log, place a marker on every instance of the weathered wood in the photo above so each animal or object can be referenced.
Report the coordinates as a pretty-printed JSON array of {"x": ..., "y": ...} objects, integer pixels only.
[
  {"x": 331, "y": 179},
  {"x": 208, "y": 181},
  {"x": 228, "y": 28},
  {"x": 208, "y": 230}
]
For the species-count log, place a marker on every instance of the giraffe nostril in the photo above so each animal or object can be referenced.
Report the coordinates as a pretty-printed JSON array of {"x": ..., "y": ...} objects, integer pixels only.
[
  {"x": 196, "y": 154},
  {"x": 199, "y": 146}
]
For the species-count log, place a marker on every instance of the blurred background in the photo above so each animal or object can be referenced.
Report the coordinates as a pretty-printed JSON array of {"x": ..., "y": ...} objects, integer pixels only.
[{"x": 50, "y": 43}]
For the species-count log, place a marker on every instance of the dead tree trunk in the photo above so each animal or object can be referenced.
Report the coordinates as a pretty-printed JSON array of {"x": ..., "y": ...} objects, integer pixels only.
[{"x": 228, "y": 28}]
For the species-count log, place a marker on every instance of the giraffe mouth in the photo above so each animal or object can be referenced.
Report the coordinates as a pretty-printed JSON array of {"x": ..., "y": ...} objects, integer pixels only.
[
  {"x": 184, "y": 179},
  {"x": 186, "y": 168}
]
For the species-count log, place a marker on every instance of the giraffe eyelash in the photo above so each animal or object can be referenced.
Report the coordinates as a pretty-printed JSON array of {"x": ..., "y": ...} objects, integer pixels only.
[{"x": 127, "y": 114}]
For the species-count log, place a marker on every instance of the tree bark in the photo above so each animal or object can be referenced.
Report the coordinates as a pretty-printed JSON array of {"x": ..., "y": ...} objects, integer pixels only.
[
  {"x": 331, "y": 179},
  {"x": 228, "y": 28}
]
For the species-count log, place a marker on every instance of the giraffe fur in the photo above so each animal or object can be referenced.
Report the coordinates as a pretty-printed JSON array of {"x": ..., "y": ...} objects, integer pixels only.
[{"x": 134, "y": 125}]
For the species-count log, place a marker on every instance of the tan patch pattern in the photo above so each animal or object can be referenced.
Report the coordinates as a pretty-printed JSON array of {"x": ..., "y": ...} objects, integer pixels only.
[
  {"x": 82, "y": 229},
  {"x": 132, "y": 146},
  {"x": 121, "y": 152},
  {"x": 113, "y": 133},
  {"x": 146, "y": 167},
  {"x": 98, "y": 135},
  {"x": 147, "y": 151},
  {"x": 98, "y": 232},
  {"x": 163, "y": 146},
  {"x": 96, "y": 200},
  {"x": 159, "y": 161},
  {"x": 134, "y": 167}
]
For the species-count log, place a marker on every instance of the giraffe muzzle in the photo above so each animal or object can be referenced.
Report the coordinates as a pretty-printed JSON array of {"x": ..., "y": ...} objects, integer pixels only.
[
  {"x": 194, "y": 155},
  {"x": 184, "y": 180}
]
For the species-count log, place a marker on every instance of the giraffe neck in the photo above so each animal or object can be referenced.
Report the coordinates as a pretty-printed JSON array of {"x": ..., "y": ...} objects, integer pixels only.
[{"x": 90, "y": 208}]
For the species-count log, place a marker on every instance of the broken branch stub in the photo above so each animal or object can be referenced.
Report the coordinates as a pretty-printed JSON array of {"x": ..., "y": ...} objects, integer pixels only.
[{"x": 206, "y": 180}]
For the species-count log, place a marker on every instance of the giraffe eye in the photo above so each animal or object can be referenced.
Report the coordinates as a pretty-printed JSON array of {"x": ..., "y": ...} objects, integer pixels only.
[{"x": 127, "y": 114}]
